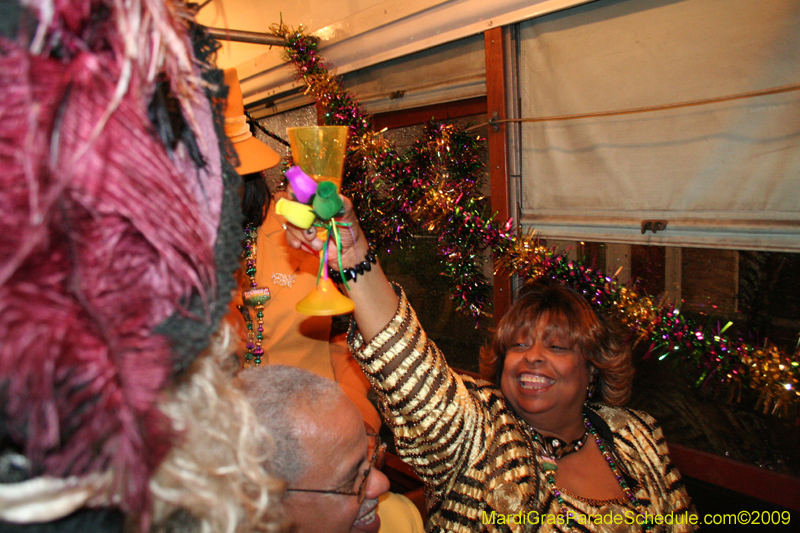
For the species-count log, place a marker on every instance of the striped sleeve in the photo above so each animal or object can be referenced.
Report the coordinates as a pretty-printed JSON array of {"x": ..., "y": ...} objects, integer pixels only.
[
  {"x": 438, "y": 425},
  {"x": 676, "y": 498},
  {"x": 645, "y": 452}
]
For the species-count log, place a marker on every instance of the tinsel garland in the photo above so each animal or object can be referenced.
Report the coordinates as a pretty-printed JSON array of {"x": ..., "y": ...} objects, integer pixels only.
[{"x": 434, "y": 188}]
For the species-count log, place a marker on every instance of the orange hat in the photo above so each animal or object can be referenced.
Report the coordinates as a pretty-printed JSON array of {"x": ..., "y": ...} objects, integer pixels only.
[{"x": 254, "y": 155}]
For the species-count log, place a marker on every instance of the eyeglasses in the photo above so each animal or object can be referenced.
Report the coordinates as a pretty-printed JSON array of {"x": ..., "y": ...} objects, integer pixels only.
[{"x": 376, "y": 461}]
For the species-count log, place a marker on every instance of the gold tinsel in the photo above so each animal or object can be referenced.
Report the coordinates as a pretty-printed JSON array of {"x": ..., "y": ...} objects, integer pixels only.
[
  {"x": 523, "y": 256},
  {"x": 768, "y": 370}
]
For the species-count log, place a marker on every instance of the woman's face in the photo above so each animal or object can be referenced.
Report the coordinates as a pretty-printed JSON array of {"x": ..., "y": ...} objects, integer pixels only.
[{"x": 545, "y": 381}]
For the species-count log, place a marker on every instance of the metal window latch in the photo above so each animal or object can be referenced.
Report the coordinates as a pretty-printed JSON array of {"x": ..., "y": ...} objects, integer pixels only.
[
  {"x": 494, "y": 121},
  {"x": 653, "y": 225}
]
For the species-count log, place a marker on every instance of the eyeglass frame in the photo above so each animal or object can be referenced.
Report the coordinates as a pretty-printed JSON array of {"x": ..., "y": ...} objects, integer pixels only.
[{"x": 361, "y": 493}]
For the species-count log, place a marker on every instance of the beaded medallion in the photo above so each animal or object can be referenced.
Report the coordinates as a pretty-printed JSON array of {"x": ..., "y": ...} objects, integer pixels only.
[{"x": 254, "y": 297}]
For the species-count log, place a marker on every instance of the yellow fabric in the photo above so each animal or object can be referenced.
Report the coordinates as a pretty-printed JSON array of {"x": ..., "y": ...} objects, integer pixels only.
[
  {"x": 478, "y": 459},
  {"x": 399, "y": 515}
]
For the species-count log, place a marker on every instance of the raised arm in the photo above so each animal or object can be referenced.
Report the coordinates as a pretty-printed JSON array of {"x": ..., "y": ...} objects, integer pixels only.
[{"x": 439, "y": 424}]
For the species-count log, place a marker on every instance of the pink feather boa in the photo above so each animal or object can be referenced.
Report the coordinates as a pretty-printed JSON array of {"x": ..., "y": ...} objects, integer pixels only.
[{"x": 102, "y": 237}]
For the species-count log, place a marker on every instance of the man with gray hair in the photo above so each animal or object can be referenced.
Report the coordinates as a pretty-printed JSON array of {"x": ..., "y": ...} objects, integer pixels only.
[{"x": 322, "y": 450}]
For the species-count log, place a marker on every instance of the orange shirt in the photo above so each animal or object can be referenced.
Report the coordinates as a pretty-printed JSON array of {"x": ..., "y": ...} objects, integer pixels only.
[{"x": 290, "y": 338}]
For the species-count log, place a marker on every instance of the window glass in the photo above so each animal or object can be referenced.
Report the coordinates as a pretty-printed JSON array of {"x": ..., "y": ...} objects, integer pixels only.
[
  {"x": 418, "y": 268},
  {"x": 759, "y": 295}
]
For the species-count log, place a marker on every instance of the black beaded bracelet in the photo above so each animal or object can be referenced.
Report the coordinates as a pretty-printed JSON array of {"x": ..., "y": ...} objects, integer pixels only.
[{"x": 349, "y": 274}]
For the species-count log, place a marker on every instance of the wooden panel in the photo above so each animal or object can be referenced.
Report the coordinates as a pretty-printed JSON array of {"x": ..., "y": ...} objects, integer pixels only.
[
  {"x": 756, "y": 482},
  {"x": 420, "y": 115},
  {"x": 498, "y": 173},
  {"x": 321, "y": 110}
]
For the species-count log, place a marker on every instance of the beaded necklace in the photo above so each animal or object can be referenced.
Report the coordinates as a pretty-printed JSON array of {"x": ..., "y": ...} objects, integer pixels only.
[
  {"x": 550, "y": 467},
  {"x": 556, "y": 448},
  {"x": 254, "y": 297}
]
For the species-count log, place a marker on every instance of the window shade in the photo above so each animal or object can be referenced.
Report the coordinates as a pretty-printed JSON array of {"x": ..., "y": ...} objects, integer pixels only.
[{"x": 724, "y": 174}]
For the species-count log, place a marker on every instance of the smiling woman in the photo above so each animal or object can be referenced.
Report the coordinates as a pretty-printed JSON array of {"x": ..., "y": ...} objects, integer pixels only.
[
  {"x": 529, "y": 442},
  {"x": 552, "y": 347}
]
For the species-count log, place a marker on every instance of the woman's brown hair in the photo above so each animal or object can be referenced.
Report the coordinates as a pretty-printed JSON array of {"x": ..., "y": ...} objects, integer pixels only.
[{"x": 547, "y": 308}]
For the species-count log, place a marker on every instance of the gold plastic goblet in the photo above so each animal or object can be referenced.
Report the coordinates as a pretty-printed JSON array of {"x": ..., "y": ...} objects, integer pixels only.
[{"x": 319, "y": 151}]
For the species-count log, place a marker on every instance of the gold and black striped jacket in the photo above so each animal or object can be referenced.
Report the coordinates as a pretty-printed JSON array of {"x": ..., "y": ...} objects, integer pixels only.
[{"x": 477, "y": 458}]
